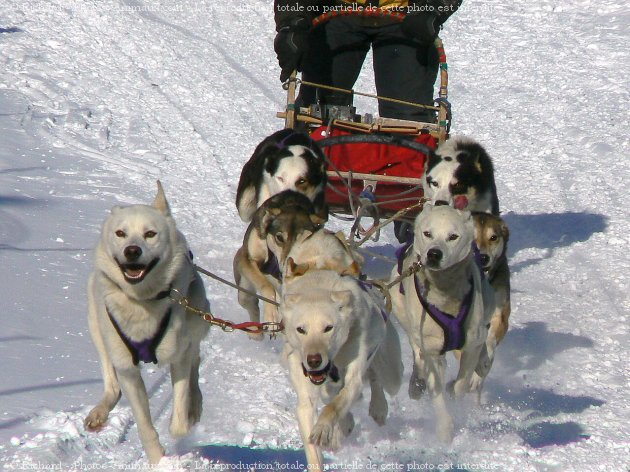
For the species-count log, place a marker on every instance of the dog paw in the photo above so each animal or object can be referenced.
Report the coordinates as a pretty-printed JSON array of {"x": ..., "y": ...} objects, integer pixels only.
[
  {"x": 458, "y": 388},
  {"x": 96, "y": 419},
  {"x": 256, "y": 336},
  {"x": 155, "y": 454},
  {"x": 378, "y": 410},
  {"x": 445, "y": 431},
  {"x": 325, "y": 435},
  {"x": 196, "y": 408},
  {"x": 346, "y": 425},
  {"x": 180, "y": 427},
  {"x": 417, "y": 387}
]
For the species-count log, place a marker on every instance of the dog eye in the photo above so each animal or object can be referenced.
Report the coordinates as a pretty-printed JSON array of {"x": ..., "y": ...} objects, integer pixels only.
[
  {"x": 150, "y": 234},
  {"x": 459, "y": 188},
  {"x": 427, "y": 234},
  {"x": 453, "y": 237},
  {"x": 279, "y": 238},
  {"x": 328, "y": 328},
  {"x": 300, "y": 182},
  {"x": 301, "y": 330},
  {"x": 120, "y": 233},
  {"x": 494, "y": 237}
]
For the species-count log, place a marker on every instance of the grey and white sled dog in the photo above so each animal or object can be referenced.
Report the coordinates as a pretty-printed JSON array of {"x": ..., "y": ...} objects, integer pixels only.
[
  {"x": 446, "y": 305},
  {"x": 337, "y": 335},
  {"x": 258, "y": 263},
  {"x": 140, "y": 260},
  {"x": 460, "y": 173},
  {"x": 285, "y": 160}
]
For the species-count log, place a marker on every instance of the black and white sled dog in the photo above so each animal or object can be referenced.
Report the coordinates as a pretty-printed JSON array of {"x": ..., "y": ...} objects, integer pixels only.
[
  {"x": 460, "y": 174},
  {"x": 140, "y": 260},
  {"x": 445, "y": 305},
  {"x": 286, "y": 160}
]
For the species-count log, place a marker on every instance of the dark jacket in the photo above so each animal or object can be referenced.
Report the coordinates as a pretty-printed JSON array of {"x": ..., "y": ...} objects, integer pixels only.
[{"x": 285, "y": 11}]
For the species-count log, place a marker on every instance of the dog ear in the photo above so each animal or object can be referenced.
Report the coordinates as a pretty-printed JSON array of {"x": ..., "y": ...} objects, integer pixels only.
[
  {"x": 317, "y": 220},
  {"x": 291, "y": 299},
  {"x": 505, "y": 231},
  {"x": 268, "y": 216},
  {"x": 353, "y": 269},
  {"x": 160, "y": 201},
  {"x": 342, "y": 298},
  {"x": 295, "y": 270},
  {"x": 116, "y": 209}
]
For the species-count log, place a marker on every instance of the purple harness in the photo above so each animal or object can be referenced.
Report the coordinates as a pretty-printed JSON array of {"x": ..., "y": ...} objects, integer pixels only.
[
  {"x": 365, "y": 286},
  {"x": 143, "y": 350},
  {"x": 454, "y": 335},
  {"x": 272, "y": 267}
]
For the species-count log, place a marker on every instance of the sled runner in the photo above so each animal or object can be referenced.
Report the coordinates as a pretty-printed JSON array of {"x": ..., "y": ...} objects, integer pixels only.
[{"x": 375, "y": 165}]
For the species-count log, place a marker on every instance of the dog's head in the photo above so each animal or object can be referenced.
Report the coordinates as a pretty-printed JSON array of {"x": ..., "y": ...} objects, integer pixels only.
[
  {"x": 136, "y": 241},
  {"x": 454, "y": 173},
  {"x": 443, "y": 236},
  {"x": 295, "y": 162},
  {"x": 283, "y": 218},
  {"x": 317, "y": 324},
  {"x": 491, "y": 235}
]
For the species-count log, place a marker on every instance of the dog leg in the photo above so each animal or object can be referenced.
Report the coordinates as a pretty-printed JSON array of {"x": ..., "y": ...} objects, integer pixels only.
[
  {"x": 417, "y": 382},
  {"x": 326, "y": 431},
  {"x": 249, "y": 276},
  {"x": 196, "y": 399},
  {"x": 306, "y": 412},
  {"x": 470, "y": 357},
  {"x": 378, "y": 403},
  {"x": 135, "y": 391},
  {"x": 182, "y": 398},
  {"x": 97, "y": 417},
  {"x": 436, "y": 366}
]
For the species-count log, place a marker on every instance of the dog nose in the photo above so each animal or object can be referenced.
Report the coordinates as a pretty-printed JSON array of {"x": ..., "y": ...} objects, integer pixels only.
[
  {"x": 434, "y": 256},
  {"x": 133, "y": 253},
  {"x": 440, "y": 203},
  {"x": 484, "y": 259},
  {"x": 314, "y": 360}
]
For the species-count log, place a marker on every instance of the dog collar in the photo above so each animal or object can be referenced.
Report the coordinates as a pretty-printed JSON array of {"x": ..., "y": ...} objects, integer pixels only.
[
  {"x": 143, "y": 350},
  {"x": 454, "y": 335},
  {"x": 333, "y": 372}
]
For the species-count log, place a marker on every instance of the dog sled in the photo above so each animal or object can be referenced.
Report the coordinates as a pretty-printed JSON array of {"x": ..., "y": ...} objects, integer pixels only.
[{"x": 375, "y": 165}]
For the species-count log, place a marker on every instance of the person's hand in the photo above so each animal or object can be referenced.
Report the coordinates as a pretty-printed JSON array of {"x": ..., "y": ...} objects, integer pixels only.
[
  {"x": 422, "y": 26},
  {"x": 290, "y": 44}
]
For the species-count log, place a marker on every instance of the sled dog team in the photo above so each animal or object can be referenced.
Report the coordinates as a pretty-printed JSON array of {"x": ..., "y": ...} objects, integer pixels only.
[{"x": 451, "y": 293}]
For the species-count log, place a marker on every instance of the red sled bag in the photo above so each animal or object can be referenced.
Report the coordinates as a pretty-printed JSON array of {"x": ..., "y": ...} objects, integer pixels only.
[{"x": 375, "y": 159}]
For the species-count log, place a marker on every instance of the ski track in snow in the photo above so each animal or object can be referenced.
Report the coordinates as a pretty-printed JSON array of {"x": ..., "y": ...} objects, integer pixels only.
[{"x": 112, "y": 96}]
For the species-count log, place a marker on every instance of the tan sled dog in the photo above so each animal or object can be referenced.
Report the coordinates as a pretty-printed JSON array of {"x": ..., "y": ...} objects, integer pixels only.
[
  {"x": 336, "y": 336},
  {"x": 140, "y": 260},
  {"x": 492, "y": 235}
]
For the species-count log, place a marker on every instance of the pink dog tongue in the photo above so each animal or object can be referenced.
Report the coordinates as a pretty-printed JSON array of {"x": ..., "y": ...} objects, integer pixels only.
[{"x": 461, "y": 202}]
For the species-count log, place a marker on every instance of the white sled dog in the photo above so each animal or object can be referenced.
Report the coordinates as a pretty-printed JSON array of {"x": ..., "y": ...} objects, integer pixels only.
[
  {"x": 337, "y": 336},
  {"x": 446, "y": 305},
  {"x": 140, "y": 260}
]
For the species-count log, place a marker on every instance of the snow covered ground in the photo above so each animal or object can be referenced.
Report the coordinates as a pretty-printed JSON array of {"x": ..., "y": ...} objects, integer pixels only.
[{"x": 100, "y": 98}]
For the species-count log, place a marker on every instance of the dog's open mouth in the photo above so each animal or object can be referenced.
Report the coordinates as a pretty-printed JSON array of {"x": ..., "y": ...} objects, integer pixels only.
[
  {"x": 135, "y": 273},
  {"x": 317, "y": 377}
]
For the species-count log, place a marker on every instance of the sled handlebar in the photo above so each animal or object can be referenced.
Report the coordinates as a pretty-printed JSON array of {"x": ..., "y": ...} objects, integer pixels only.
[{"x": 364, "y": 12}]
